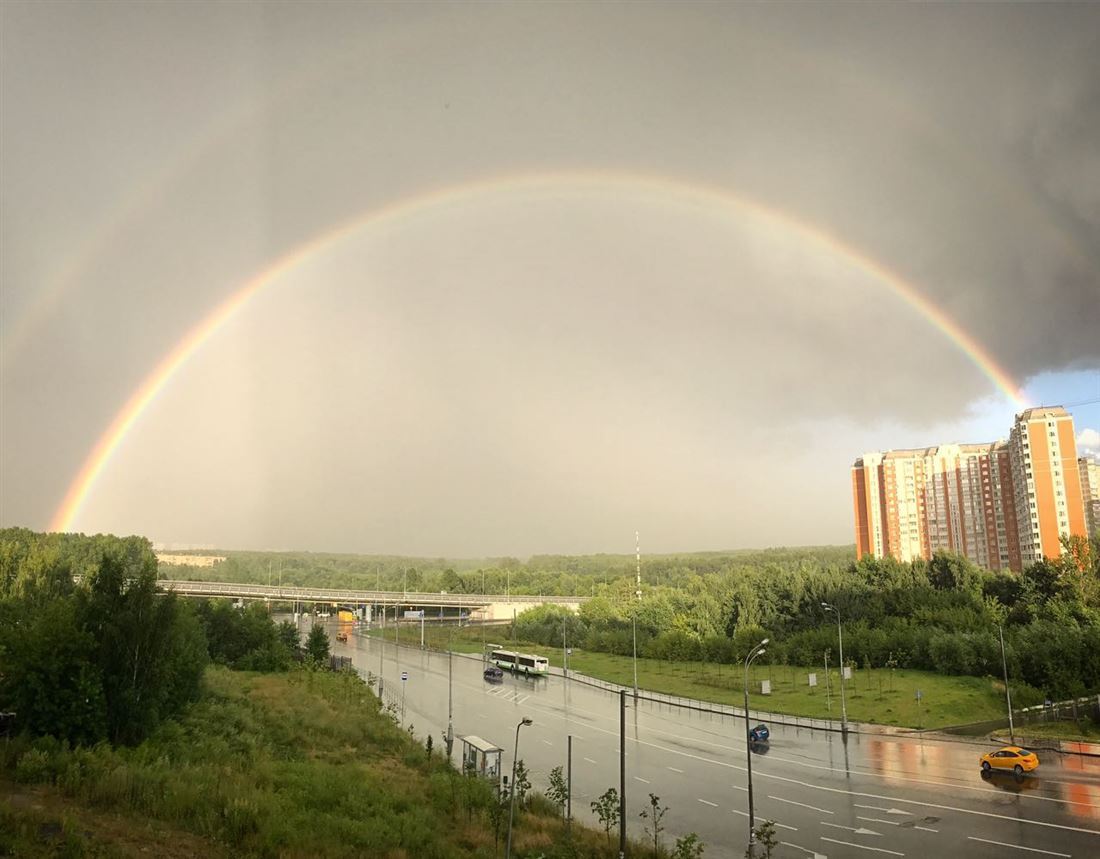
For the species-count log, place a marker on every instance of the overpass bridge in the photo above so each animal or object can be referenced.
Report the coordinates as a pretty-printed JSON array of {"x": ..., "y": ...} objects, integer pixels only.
[{"x": 484, "y": 607}]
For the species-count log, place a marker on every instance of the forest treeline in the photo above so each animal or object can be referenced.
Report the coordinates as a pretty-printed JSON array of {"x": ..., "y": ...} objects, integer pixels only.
[
  {"x": 90, "y": 650},
  {"x": 940, "y": 615},
  {"x": 550, "y": 575}
]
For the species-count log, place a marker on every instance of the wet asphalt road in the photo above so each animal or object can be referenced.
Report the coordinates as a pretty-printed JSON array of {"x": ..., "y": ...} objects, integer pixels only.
[{"x": 870, "y": 796}]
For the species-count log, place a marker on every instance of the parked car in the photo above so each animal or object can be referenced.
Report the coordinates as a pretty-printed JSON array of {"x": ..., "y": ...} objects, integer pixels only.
[
  {"x": 494, "y": 674},
  {"x": 759, "y": 734},
  {"x": 1012, "y": 758},
  {"x": 342, "y": 636}
]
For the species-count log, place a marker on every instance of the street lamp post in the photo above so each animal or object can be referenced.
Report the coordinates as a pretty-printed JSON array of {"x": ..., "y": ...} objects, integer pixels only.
[
  {"x": 840, "y": 634},
  {"x": 512, "y": 802},
  {"x": 755, "y": 652},
  {"x": 1008, "y": 694}
]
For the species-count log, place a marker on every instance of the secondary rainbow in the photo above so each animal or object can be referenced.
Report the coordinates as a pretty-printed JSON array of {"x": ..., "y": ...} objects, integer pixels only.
[{"x": 601, "y": 182}]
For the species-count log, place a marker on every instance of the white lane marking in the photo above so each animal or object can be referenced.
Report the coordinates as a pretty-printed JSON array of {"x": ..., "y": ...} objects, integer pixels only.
[
  {"x": 738, "y": 787},
  {"x": 482, "y": 716},
  {"x": 802, "y": 804},
  {"x": 777, "y": 823},
  {"x": 708, "y": 802},
  {"x": 813, "y": 853},
  {"x": 674, "y": 769},
  {"x": 1018, "y": 847},
  {"x": 878, "y": 808},
  {"x": 642, "y": 780},
  {"x": 548, "y": 742},
  {"x": 860, "y": 830},
  {"x": 861, "y": 846},
  {"x": 703, "y": 759},
  {"x": 904, "y": 823},
  {"x": 590, "y": 760},
  {"x": 524, "y": 698}
]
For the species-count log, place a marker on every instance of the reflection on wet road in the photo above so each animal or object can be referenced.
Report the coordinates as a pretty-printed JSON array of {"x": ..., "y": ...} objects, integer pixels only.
[{"x": 871, "y": 794}]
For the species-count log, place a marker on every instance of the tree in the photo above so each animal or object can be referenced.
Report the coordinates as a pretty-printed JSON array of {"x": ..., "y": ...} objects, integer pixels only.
[
  {"x": 317, "y": 645},
  {"x": 558, "y": 792},
  {"x": 688, "y": 847},
  {"x": 288, "y": 635},
  {"x": 522, "y": 783},
  {"x": 654, "y": 814},
  {"x": 606, "y": 808},
  {"x": 765, "y": 837}
]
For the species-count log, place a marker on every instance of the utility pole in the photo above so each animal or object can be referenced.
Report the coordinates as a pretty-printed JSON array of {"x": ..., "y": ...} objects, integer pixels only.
[
  {"x": 843, "y": 668},
  {"x": 450, "y": 704},
  {"x": 568, "y": 781},
  {"x": 622, "y": 774},
  {"x": 755, "y": 652},
  {"x": 638, "y": 597},
  {"x": 1008, "y": 695}
]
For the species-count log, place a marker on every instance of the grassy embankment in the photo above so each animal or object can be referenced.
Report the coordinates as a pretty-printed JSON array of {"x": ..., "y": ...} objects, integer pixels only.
[
  {"x": 300, "y": 764},
  {"x": 879, "y": 695},
  {"x": 1084, "y": 731}
]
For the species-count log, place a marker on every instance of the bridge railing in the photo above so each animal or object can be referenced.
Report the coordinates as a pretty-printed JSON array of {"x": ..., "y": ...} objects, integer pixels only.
[{"x": 336, "y": 595}]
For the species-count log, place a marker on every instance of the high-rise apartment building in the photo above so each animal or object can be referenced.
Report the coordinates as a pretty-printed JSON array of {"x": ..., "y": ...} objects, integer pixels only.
[
  {"x": 1002, "y": 504},
  {"x": 1089, "y": 469}
]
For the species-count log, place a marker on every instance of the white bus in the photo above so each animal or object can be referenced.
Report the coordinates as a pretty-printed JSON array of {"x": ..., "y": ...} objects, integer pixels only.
[{"x": 520, "y": 663}]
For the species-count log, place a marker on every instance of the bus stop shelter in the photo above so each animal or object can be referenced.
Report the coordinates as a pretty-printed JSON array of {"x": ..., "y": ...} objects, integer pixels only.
[{"x": 481, "y": 758}]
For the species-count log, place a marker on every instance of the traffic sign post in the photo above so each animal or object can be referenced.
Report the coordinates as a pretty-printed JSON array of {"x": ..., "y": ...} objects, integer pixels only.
[{"x": 404, "y": 678}]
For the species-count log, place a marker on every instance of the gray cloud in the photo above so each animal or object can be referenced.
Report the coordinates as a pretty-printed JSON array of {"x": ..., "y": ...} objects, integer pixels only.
[{"x": 548, "y": 367}]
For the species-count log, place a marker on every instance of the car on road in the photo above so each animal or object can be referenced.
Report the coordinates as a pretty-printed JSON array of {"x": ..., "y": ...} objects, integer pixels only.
[
  {"x": 494, "y": 674},
  {"x": 760, "y": 734},
  {"x": 1013, "y": 758},
  {"x": 342, "y": 636}
]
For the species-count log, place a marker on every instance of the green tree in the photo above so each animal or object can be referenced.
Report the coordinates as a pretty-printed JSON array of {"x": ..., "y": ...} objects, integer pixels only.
[
  {"x": 765, "y": 837},
  {"x": 522, "y": 783},
  {"x": 606, "y": 809},
  {"x": 654, "y": 814},
  {"x": 558, "y": 792},
  {"x": 317, "y": 645},
  {"x": 688, "y": 847}
]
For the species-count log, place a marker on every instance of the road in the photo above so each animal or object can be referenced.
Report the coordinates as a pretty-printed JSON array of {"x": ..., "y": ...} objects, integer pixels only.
[{"x": 871, "y": 796}]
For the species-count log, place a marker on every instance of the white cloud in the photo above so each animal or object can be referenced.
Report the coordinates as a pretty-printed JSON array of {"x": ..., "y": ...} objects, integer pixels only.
[{"x": 1088, "y": 442}]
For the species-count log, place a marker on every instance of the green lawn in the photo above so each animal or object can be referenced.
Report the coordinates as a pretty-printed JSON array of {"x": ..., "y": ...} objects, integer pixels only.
[
  {"x": 877, "y": 695},
  {"x": 301, "y": 765},
  {"x": 1086, "y": 731}
]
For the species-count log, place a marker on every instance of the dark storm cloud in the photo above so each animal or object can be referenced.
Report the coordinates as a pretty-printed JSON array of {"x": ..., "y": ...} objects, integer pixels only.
[{"x": 156, "y": 156}]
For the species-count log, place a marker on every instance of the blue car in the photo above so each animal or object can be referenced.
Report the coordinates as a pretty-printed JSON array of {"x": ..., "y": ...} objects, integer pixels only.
[{"x": 759, "y": 734}]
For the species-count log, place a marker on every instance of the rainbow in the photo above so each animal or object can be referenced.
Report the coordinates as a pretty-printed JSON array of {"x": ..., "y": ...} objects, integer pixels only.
[{"x": 603, "y": 182}]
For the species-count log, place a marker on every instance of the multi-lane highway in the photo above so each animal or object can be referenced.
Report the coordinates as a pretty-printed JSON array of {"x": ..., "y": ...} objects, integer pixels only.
[{"x": 870, "y": 796}]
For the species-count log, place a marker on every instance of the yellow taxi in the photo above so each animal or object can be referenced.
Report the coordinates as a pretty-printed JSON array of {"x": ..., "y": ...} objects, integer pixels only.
[{"x": 1012, "y": 758}]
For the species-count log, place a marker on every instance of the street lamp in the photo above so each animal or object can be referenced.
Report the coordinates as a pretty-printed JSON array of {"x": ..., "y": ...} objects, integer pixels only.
[
  {"x": 756, "y": 651},
  {"x": 1008, "y": 695},
  {"x": 512, "y": 803},
  {"x": 840, "y": 633}
]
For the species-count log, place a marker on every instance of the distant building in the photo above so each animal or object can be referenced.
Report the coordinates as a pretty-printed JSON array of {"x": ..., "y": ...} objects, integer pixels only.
[
  {"x": 189, "y": 560},
  {"x": 1001, "y": 504},
  {"x": 1089, "y": 469}
]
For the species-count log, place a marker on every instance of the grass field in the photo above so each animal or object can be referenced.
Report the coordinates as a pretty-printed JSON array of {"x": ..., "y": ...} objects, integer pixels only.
[
  {"x": 879, "y": 695},
  {"x": 303, "y": 764},
  {"x": 1085, "y": 730}
]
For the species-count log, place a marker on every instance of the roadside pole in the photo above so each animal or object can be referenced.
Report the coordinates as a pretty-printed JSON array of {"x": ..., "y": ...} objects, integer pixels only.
[
  {"x": 622, "y": 774},
  {"x": 568, "y": 782}
]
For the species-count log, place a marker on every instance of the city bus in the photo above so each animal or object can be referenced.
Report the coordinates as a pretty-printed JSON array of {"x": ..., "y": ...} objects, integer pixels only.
[{"x": 520, "y": 663}]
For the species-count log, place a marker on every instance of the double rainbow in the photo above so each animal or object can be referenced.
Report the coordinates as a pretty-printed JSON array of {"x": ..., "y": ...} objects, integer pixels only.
[{"x": 603, "y": 182}]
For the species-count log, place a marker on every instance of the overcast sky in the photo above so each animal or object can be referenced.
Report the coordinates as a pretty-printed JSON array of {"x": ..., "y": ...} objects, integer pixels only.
[{"x": 645, "y": 332}]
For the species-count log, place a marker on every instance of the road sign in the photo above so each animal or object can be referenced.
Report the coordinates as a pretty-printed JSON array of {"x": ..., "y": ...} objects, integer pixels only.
[
  {"x": 404, "y": 676},
  {"x": 919, "y": 694},
  {"x": 813, "y": 679}
]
